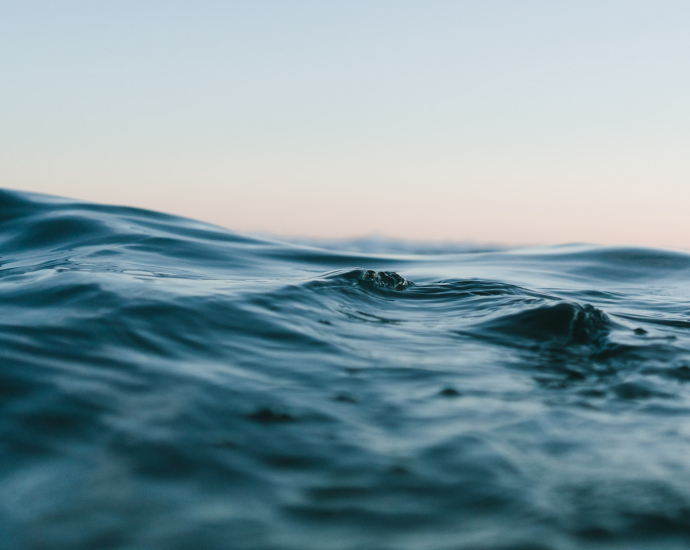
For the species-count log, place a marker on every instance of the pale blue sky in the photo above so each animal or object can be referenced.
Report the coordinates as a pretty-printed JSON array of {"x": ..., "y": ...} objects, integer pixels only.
[{"x": 496, "y": 121}]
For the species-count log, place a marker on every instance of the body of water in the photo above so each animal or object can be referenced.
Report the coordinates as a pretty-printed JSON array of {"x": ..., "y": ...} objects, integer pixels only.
[{"x": 166, "y": 384}]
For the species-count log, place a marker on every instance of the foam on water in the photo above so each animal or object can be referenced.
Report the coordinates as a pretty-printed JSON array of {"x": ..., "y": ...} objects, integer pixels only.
[{"x": 169, "y": 384}]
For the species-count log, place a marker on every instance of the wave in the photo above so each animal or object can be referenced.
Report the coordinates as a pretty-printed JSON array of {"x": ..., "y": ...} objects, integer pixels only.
[{"x": 168, "y": 383}]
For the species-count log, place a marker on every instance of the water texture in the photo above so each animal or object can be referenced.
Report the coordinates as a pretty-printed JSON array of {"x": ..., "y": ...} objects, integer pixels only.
[{"x": 168, "y": 384}]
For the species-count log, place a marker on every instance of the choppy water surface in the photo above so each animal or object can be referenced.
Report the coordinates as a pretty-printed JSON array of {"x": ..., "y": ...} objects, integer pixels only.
[{"x": 168, "y": 384}]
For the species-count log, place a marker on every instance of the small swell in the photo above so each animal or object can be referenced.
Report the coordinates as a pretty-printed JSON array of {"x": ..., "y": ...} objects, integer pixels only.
[
  {"x": 60, "y": 232},
  {"x": 563, "y": 323},
  {"x": 386, "y": 279},
  {"x": 367, "y": 279}
]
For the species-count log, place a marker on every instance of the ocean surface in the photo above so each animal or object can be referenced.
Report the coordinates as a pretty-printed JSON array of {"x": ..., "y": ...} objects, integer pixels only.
[{"x": 167, "y": 384}]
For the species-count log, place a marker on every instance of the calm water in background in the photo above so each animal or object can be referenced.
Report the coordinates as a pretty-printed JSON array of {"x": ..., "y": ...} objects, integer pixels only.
[{"x": 169, "y": 384}]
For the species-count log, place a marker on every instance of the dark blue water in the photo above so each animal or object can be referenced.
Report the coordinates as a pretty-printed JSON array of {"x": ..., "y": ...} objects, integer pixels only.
[{"x": 167, "y": 384}]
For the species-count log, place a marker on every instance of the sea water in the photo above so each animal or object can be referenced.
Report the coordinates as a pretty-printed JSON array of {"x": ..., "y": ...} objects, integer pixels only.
[{"x": 170, "y": 384}]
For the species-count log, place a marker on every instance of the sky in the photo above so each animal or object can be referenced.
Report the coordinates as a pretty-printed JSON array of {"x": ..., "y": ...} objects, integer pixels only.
[{"x": 505, "y": 122}]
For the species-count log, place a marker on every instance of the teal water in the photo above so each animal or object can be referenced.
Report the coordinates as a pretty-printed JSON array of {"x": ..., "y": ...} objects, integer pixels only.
[{"x": 170, "y": 384}]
